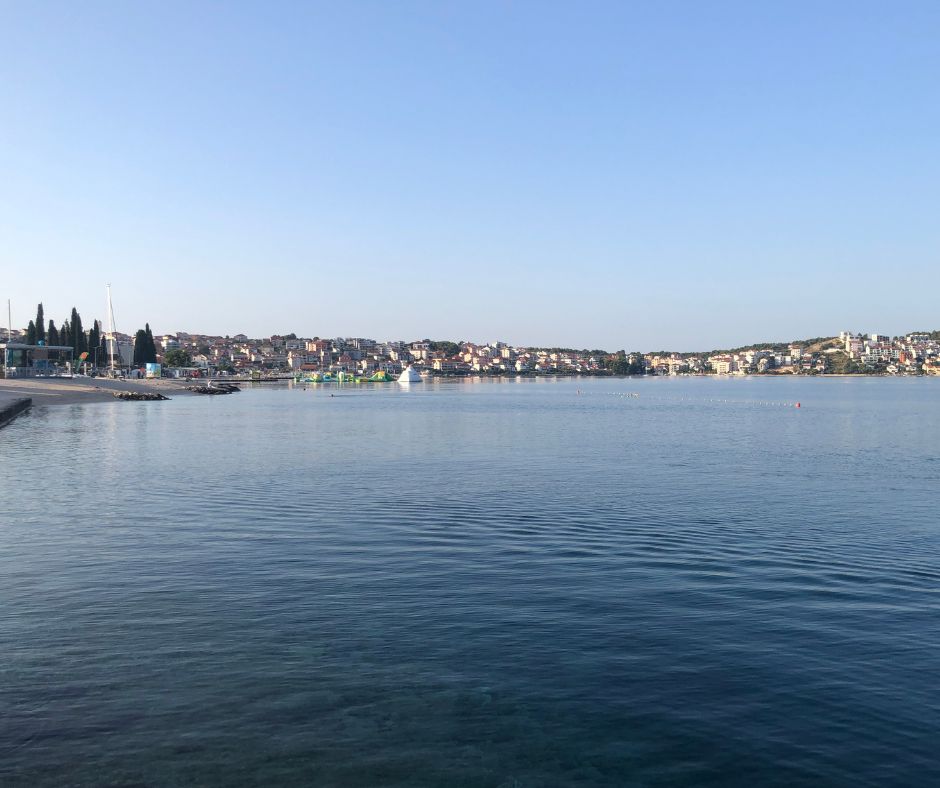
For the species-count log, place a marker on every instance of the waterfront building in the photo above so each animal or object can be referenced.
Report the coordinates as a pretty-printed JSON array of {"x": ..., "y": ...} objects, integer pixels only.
[{"x": 22, "y": 360}]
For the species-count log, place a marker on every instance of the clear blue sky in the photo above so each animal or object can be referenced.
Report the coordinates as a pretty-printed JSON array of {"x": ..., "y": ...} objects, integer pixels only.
[{"x": 640, "y": 175}]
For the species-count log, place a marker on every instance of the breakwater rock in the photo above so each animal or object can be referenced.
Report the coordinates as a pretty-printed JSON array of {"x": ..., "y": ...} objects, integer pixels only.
[
  {"x": 145, "y": 396},
  {"x": 216, "y": 388}
]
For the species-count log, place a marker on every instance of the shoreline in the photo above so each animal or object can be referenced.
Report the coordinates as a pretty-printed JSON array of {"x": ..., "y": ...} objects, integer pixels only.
[
  {"x": 73, "y": 391},
  {"x": 79, "y": 390},
  {"x": 11, "y": 407}
]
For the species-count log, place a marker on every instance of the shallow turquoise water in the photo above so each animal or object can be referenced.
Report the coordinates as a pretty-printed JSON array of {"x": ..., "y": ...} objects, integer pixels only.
[{"x": 480, "y": 583}]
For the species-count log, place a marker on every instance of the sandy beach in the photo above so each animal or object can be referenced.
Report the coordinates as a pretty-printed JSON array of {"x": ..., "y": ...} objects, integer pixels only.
[{"x": 68, "y": 391}]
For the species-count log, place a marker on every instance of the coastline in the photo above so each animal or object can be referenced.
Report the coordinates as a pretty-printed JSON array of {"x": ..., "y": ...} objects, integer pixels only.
[
  {"x": 72, "y": 391},
  {"x": 79, "y": 390},
  {"x": 11, "y": 407}
]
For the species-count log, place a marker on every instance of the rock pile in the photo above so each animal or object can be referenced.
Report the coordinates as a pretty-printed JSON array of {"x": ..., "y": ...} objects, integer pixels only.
[
  {"x": 138, "y": 395},
  {"x": 215, "y": 388}
]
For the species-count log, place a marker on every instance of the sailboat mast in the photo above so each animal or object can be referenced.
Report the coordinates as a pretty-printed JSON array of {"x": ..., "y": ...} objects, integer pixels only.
[
  {"x": 7, "y": 353},
  {"x": 111, "y": 326}
]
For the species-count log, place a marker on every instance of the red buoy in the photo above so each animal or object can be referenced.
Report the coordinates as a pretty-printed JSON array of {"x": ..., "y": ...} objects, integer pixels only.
[{"x": 797, "y": 404}]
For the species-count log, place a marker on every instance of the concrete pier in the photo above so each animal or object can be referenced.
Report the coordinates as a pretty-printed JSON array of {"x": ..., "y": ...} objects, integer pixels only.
[{"x": 11, "y": 407}]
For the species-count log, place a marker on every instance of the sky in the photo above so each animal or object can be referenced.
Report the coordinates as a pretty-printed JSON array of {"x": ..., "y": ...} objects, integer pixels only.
[{"x": 669, "y": 175}]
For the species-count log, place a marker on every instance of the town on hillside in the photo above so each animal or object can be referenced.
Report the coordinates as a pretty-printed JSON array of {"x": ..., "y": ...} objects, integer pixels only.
[{"x": 195, "y": 355}]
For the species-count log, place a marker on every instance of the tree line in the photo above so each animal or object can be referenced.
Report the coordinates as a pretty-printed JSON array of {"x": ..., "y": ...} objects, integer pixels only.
[
  {"x": 71, "y": 333},
  {"x": 623, "y": 363}
]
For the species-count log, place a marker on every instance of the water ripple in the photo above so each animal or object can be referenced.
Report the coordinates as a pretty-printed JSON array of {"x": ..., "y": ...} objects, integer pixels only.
[{"x": 480, "y": 585}]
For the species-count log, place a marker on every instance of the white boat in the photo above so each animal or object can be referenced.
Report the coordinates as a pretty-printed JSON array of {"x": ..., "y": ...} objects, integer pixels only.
[{"x": 409, "y": 375}]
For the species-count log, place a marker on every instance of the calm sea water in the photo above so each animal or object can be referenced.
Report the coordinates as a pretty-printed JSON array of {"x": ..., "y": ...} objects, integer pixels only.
[{"x": 476, "y": 584}]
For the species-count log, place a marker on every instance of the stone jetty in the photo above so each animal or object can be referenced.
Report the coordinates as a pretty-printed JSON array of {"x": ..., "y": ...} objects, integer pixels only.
[
  {"x": 215, "y": 388},
  {"x": 145, "y": 396}
]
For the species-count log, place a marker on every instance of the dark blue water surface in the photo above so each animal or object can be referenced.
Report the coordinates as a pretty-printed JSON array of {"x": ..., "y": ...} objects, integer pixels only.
[{"x": 476, "y": 584}]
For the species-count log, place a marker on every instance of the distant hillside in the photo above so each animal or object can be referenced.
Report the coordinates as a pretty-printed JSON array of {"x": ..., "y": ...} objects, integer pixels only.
[{"x": 813, "y": 345}]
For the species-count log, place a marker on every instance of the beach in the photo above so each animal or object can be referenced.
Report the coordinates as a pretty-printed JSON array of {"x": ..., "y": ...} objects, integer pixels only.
[{"x": 69, "y": 391}]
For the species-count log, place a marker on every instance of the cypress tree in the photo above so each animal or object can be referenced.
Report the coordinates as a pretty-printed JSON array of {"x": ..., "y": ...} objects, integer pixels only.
[
  {"x": 65, "y": 333},
  {"x": 102, "y": 344},
  {"x": 52, "y": 335},
  {"x": 39, "y": 325},
  {"x": 140, "y": 348},
  {"x": 151, "y": 346},
  {"x": 31, "y": 333},
  {"x": 79, "y": 344},
  {"x": 93, "y": 339}
]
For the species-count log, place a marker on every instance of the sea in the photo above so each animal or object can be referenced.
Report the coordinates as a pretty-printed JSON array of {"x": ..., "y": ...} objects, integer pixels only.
[{"x": 479, "y": 582}]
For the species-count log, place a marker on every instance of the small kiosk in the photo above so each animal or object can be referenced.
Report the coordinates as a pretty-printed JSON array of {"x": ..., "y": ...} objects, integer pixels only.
[{"x": 23, "y": 361}]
